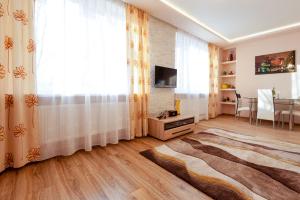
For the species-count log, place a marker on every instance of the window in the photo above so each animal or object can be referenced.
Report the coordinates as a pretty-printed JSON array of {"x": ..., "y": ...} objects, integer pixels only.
[
  {"x": 192, "y": 63},
  {"x": 81, "y": 47}
]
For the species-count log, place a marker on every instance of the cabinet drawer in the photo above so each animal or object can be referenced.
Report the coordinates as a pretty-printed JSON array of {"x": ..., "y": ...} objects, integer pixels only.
[{"x": 183, "y": 122}]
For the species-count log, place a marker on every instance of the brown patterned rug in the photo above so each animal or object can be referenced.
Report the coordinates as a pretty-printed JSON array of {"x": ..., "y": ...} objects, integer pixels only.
[{"x": 226, "y": 165}]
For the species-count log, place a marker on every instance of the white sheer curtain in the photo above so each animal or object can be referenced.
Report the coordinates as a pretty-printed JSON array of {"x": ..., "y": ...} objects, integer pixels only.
[
  {"x": 192, "y": 63},
  {"x": 82, "y": 78}
]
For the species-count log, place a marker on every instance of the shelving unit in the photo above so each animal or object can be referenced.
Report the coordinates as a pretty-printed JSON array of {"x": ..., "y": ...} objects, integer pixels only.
[
  {"x": 227, "y": 89},
  {"x": 228, "y": 103},
  {"x": 227, "y": 76},
  {"x": 228, "y": 62}
]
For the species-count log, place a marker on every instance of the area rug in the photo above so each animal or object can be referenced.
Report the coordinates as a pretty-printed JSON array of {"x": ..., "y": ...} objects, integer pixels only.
[{"x": 227, "y": 165}]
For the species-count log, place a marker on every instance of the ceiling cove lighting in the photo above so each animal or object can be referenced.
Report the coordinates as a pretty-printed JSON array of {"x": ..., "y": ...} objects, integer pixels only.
[
  {"x": 237, "y": 39},
  {"x": 176, "y": 8},
  {"x": 274, "y": 30}
]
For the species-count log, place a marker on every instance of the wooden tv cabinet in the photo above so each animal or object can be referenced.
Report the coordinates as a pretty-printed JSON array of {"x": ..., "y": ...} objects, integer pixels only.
[{"x": 170, "y": 127}]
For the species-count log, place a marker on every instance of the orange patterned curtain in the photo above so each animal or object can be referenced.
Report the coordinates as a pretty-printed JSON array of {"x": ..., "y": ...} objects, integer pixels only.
[
  {"x": 139, "y": 68},
  {"x": 213, "y": 81},
  {"x": 19, "y": 142}
]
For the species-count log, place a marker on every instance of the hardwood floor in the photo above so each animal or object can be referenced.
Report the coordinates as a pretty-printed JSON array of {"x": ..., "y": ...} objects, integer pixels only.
[
  {"x": 117, "y": 171},
  {"x": 265, "y": 130}
]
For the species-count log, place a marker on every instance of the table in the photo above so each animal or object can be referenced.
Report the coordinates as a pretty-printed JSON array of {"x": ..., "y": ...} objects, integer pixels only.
[
  {"x": 279, "y": 101},
  {"x": 251, "y": 101}
]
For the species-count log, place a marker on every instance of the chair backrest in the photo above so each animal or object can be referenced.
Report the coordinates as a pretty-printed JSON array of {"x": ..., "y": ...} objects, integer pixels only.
[
  {"x": 265, "y": 104},
  {"x": 238, "y": 97}
]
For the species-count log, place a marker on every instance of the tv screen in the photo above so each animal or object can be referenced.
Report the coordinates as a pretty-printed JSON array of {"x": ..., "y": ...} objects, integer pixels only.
[{"x": 165, "y": 77}]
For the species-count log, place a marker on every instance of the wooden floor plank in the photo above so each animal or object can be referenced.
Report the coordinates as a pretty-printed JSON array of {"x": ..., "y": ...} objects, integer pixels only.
[{"x": 118, "y": 171}]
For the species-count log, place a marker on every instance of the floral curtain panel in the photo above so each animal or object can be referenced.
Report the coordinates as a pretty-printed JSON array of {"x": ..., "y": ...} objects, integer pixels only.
[
  {"x": 213, "y": 81},
  {"x": 20, "y": 133},
  {"x": 19, "y": 141},
  {"x": 139, "y": 69}
]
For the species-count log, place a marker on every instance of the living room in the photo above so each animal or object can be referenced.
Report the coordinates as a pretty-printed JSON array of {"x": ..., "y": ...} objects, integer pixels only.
[{"x": 160, "y": 99}]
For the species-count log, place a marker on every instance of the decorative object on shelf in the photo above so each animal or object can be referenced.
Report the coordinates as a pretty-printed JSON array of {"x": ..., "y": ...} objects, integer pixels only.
[
  {"x": 273, "y": 92},
  {"x": 231, "y": 56},
  {"x": 163, "y": 115},
  {"x": 227, "y": 99},
  {"x": 225, "y": 86},
  {"x": 231, "y": 73},
  {"x": 283, "y": 62},
  {"x": 177, "y": 106},
  {"x": 224, "y": 73},
  {"x": 172, "y": 113}
]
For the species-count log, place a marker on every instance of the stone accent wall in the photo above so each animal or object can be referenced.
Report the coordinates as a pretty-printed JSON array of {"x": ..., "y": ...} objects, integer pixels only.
[{"x": 162, "y": 52}]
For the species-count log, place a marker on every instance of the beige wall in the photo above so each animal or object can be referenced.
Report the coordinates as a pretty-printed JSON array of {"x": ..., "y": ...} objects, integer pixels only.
[
  {"x": 288, "y": 84},
  {"x": 162, "y": 52},
  {"x": 247, "y": 83}
]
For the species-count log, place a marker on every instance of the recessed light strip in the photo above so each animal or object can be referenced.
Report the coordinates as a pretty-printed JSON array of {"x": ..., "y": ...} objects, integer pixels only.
[
  {"x": 274, "y": 30},
  {"x": 194, "y": 19}
]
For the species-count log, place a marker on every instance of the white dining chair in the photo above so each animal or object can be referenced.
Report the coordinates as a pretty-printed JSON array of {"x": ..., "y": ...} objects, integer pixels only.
[
  {"x": 283, "y": 114},
  {"x": 295, "y": 113},
  {"x": 265, "y": 106},
  {"x": 240, "y": 106}
]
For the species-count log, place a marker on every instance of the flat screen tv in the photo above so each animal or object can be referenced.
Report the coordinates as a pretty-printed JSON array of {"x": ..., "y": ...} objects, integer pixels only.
[{"x": 165, "y": 77}]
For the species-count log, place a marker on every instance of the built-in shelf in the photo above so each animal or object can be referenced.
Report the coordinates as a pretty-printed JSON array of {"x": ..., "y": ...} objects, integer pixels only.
[
  {"x": 227, "y": 103},
  {"x": 228, "y": 62},
  {"x": 227, "y": 76},
  {"x": 230, "y": 89}
]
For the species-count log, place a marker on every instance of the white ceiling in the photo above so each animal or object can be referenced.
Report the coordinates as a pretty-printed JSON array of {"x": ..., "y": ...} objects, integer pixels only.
[{"x": 226, "y": 21}]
